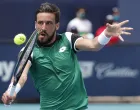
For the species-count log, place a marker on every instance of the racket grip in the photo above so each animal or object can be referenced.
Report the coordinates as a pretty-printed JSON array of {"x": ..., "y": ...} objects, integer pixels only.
[{"x": 11, "y": 93}]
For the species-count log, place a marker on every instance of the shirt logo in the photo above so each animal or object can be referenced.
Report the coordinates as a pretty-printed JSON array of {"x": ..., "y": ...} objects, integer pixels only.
[{"x": 62, "y": 49}]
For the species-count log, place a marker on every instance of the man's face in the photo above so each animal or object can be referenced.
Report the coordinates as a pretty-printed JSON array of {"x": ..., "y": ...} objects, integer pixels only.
[{"x": 46, "y": 26}]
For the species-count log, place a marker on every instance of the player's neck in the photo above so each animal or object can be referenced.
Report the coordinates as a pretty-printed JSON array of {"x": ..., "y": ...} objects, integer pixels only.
[{"x": 53, "y": 40}]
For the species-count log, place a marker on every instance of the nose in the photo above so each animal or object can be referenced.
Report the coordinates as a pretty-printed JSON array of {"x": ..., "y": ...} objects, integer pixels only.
[{"x": 44, "y": 26}]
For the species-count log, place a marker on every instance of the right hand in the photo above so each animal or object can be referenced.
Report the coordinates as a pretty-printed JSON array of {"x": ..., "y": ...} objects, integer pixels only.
[
  {"x": 7, "y": 99},
  {"x": 117, "y": 29}
]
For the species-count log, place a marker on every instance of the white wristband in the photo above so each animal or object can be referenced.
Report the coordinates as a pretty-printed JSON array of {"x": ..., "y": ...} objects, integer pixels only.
[
  {"x": 102, "y": 39},
  {"x": 17, "y": 88}
]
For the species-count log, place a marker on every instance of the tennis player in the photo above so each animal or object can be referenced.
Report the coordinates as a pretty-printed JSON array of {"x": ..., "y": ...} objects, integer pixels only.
[{"x": 53, "y": 64}]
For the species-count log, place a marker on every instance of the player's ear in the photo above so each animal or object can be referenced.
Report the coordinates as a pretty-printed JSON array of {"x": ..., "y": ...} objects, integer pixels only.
[
  {"x": 57, "y": 26},
  {"x": 35, "y": 24}
]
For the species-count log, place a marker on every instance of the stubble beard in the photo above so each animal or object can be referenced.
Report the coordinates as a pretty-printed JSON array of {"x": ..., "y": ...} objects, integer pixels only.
[{"x": 48, "y": 41}]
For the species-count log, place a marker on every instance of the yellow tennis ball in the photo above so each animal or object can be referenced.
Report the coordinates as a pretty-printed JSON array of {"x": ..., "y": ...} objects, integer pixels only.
[{"x": 19, "y": 39}]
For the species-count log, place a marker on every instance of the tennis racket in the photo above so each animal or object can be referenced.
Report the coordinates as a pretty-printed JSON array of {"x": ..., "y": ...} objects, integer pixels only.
[{"x": 22, "y": 60}]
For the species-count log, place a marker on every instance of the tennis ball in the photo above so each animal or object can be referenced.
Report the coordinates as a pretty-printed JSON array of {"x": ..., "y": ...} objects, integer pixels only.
[{"x": 19, "y": 39}]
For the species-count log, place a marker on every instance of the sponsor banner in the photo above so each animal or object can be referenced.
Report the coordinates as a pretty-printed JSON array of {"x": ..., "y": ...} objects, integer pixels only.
[{"x": 113, "y": 71}]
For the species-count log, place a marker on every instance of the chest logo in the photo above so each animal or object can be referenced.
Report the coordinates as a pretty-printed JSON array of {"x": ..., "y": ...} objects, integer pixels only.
[{"x": 62, "y": 49}]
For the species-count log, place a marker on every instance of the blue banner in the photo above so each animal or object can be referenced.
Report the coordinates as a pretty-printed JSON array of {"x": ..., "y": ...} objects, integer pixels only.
[{"x": 112, "y": 71}]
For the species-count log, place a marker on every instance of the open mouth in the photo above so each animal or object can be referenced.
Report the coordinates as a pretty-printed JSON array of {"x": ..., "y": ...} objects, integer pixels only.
[{"x": 43, "y": 34}]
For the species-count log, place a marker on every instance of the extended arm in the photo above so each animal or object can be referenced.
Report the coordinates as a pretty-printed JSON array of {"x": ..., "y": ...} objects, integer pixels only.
[{"x": 98, "y": 42}]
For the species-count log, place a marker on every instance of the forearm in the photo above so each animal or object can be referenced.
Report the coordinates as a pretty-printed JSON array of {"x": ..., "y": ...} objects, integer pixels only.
[
  {"x": 100, "y": 41},
  {"x": 22, "y": 79},
  {"x": 96, "y": 45}
]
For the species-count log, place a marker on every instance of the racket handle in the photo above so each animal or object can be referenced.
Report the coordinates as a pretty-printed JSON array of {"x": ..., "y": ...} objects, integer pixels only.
[{"x": 11, "y": 93}]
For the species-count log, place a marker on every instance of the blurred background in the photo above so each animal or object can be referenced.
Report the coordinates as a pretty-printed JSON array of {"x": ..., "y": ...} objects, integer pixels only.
[{"x": 111, "y": 76}]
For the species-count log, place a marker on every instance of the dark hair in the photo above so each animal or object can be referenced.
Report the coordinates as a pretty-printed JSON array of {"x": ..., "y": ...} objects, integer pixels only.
[{"x": 49, "y": 8}]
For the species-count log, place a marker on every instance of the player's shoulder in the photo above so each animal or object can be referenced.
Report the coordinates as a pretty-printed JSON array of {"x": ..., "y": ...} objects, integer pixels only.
[
  {"x": 66, "y": 34},
  {"x": 69, "y": 35}
]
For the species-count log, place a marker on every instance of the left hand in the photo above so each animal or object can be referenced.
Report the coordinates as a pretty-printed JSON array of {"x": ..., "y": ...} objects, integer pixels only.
[
  {"x": 117, "y": 29},
  {"x": 7, "y": 99}
]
